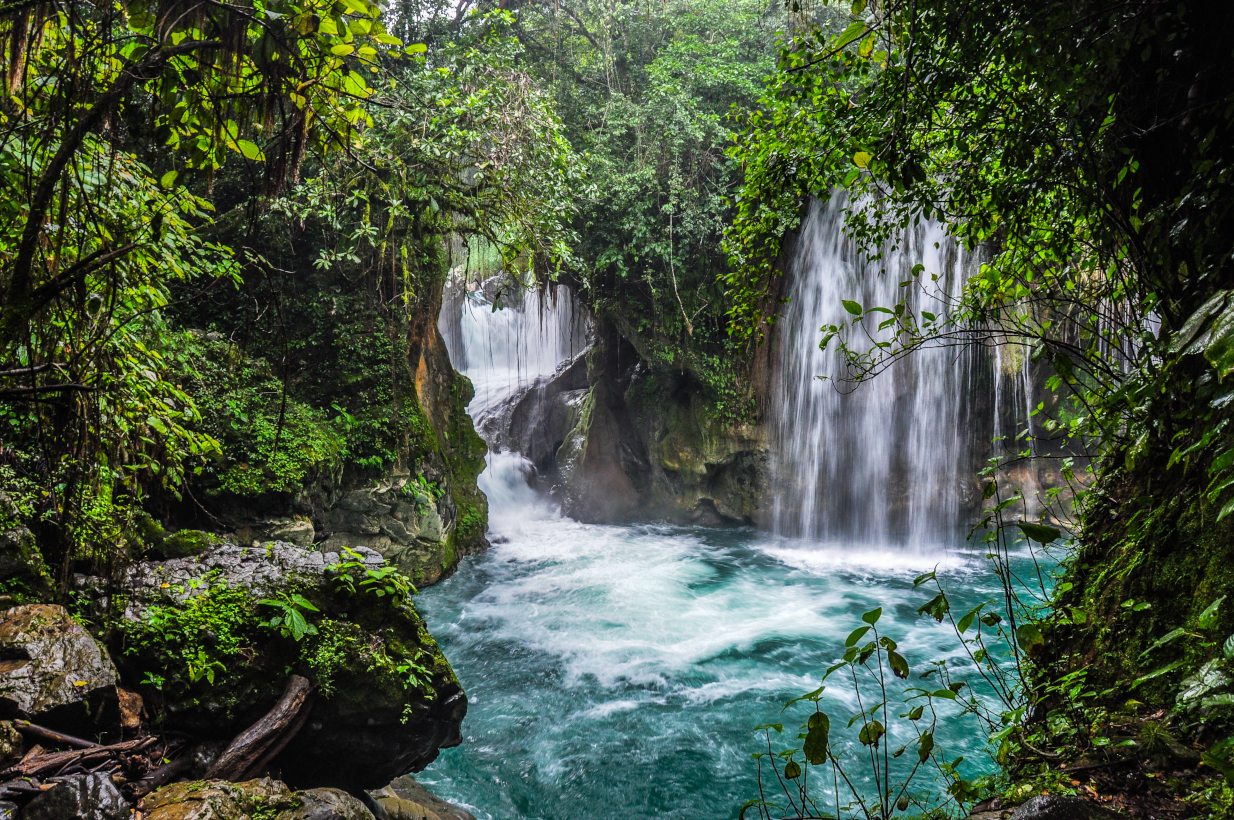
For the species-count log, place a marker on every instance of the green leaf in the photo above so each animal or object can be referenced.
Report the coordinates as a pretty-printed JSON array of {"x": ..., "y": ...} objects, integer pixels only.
[
  {"x": 1208, "y": 618},
  {"x": 899, "y": 665},
  {"x": 303, "y": 603},
  {"x": 915, "y": 713},
  {"x": 852, "y": 307},
  {"x": 1157, "y": 673},
  {"x": 990, "y": 489},
  {"x": 850, "y": 34},
  {"x": 169, "y": 179},
  {"x": 342, "y": 50},
  {"x": 871, "y": 733},
  {"x": 937, "y": 607},
  {"x": 856, "y": 635},
  {"x": 815, "y": 747},
  {"x": 925, "y": 746},
  {"x": 791, "y": 770},
  {"x": 1040, "y": 532},
  {"x": 966, "y": 622},
  {"x": 991, "y": 619},
  {"x": 813, "y": 696},
  {"x": 1163, "y": 640},
  {"x": 417, "y": 48},
  {"x": 1228, "y": 648},
  {"x": 873, "y": 615},
  {"x": 250, "y": 150},
  {"x": 921, "y": 579},
  {"x": 862, "y": 159},
  {"x": 858, "y": 7},
  {"x": 1030, "y": 638}
]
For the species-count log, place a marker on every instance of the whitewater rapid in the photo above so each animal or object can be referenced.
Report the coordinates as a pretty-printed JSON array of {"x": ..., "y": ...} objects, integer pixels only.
[{"x": 618, "y": 671}]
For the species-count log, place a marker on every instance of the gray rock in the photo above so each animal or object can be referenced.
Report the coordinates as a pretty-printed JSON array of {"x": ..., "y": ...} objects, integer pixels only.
[
  {"x": 1059, "y": 807},
  {"x": 82, "y": 797},
  {"x": 261, "y": 570},
  {"x": 298, "y": 531},
  {"x": 328, "y": 804},
  {"x": 405, "y": 799},
  {"x": 54, "y": 673},
  {"x": 395, "y": 518},
  {"x": 216, "y": 800}
]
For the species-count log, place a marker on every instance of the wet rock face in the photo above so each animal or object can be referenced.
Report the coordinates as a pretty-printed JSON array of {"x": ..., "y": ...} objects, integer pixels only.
[
  {"x": 83, "y": 797},
  {"x": 405, "y": 799},
  {"x": 372, "y": 725},
  {"x": 1059, "y": 807},
  {"x": 536, "y": 420},
  {"x": 641, "y": 443},
  {"x": 329, "y": 804},
  {"x": 398, "y": 519},
  {"x": 265, "y": 798},
  {"x": 53, "y": 672}
]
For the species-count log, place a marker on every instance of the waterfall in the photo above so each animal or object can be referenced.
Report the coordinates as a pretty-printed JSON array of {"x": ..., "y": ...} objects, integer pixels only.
[
  {"x": 893, "y": 461},
  {"x": 503, "y": 339}
]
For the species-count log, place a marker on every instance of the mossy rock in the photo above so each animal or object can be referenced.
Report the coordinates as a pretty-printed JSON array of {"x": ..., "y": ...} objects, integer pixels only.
[
  {"x": 216, "y": 800},
  {"x": 212, "y": 638},
  {"x": 187, "y": 543}
]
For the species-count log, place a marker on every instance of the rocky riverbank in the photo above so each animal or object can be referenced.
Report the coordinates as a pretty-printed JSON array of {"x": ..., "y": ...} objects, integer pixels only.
[{"x": 273, "y": 680}]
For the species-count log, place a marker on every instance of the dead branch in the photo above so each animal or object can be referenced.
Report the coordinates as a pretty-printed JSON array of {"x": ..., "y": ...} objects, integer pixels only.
[{"x": 265, "y": 738}]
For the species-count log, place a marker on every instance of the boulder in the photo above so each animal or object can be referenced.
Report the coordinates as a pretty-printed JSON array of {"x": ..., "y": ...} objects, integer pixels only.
[
  {"x": 329, "y": 804},
  {"x": 405, "y": 799},
  {"x": 186, "y": 543},
  {"x": 53, "y": 673},
  {"x": 386, "y": 700},
  {"x": 398, "y": 518},
  {"x": 293, "y": 530},
  {"x": 216, "y": 800},
  {"x": 82, "y": 797},
  {"x": 535, "y": 420},
  {"x": 1060, "y": 807}
]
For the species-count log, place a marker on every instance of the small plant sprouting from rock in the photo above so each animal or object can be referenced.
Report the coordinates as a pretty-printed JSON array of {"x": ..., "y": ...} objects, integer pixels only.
[
  {"x": 290, "y": 619},
  {"x": 382, "y": 582}
]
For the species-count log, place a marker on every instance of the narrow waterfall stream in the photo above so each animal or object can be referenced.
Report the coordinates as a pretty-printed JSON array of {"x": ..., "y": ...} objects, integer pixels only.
[{"x": 617, "y": 671}]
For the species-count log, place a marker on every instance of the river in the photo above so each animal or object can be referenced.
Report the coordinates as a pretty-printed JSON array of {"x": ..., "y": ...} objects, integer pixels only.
[{"x": 619, "y": 671}]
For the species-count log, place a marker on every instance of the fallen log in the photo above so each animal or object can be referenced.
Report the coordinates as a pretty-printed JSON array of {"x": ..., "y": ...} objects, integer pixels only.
[
  {"x": 33, "y": 730},
  {"x": 256, "y": 745},
  {"x": 51, "y": 763},
  {"x": 162, "y": 776}
]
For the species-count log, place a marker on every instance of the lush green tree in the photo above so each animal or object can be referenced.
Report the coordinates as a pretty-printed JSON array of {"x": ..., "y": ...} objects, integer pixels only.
[{"x": 646, "y": 91}]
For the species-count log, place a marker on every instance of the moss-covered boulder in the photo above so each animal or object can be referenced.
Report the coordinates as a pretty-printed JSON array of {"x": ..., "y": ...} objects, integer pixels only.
[
  {"x": 213, "y": 638},
  {"x": 186, "y": 543},
  {"x": 215, "y": 800}
]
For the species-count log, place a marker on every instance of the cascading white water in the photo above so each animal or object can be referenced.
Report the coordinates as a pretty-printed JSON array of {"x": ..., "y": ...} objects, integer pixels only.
[
  {"x": 884, "y": 463},
  {"x": 617, "y": 671},
  {"x": 506, "y": 349}
]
